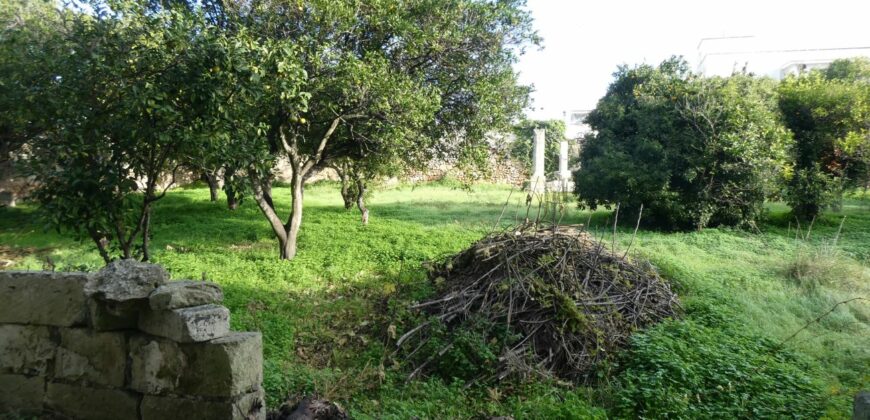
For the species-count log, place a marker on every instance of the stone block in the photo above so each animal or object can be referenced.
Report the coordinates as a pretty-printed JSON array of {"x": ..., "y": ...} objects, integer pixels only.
[
  {"x": 90, "y": 403},
  {"x": 110, "y": 315},
  {"x": 225, "y": 367},
  {"x": 95, "y": 357},
  {"x": 184, "y": 294},
  {"x": 42, "y": 297},
  {"x": 246, "y": 407},
  {"x": 125, "y": 280},
  {"x": 861, "y": 408},
  {"x": 21, "y": 394},
  {"x": 157, "y": 364},
  {"x": 186, "y": 325},
  {"x": 25, "y": 349}
]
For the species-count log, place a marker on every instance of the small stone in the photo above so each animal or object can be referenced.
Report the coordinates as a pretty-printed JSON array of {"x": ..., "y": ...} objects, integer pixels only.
[
  {"x": 861, "y": 409},
  {"x": 21, "y": 395},
  {"x": 42, "y": 297},
  {"x": 157, "y": 364},
  {"x": 185, "y": 325},
  {"x": 225, "y": 367},
  {"x": 96, "y": 357},
  {"x": 25, "y": 349},
  {"x": 89, "y": 403},
  {"x": 246, "y": 407},
  {"x": 184, "y": 294},
  {"x": 128, "y": 279}
]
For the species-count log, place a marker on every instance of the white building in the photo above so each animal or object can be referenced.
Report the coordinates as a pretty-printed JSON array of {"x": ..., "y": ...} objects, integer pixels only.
[
  {"x": 768, "y": 57},
  {"x": 575, "y": 125}
]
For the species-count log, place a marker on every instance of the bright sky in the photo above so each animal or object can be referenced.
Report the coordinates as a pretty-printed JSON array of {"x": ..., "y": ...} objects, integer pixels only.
[{"x": 584, "y": 41}]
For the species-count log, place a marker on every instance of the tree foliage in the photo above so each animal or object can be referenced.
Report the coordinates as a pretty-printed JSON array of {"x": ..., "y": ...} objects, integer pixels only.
[
  {"x": 829, "y": 114},
  {"x": 693, "y": 151}
]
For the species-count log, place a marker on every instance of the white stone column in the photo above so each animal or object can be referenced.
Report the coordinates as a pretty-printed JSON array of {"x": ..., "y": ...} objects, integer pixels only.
[
  {"x": 538, "y": 180},
  {"x": 564, "y": 173}
]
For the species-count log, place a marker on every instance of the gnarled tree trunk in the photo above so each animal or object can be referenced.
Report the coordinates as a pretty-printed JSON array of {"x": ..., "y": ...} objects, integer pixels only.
[{"x": 361, "y": 200}]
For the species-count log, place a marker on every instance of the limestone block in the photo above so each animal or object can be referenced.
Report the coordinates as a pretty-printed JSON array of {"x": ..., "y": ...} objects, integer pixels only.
[
  {"x": 861, "y": 409},
  {"x": 157, "y": 365},
  {"x": 96, "y": 357},
  {"x": 125, "y": 280},
  {"x": 246, "y": 407},
  {"x": 42, "y": 297},
  {"x": 184, "y": 294},
  {"x": 110, "y": 315},
  {"x": 25, "y": 349},
  {"x": 21, "y": 394},
  {"x": 89, "y": 403},
  {"x": 224, "y": 367},
  {"x": 185, "y": 325}
]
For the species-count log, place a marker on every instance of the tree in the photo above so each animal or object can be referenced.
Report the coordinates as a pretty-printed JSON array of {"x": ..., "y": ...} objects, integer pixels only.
[
  {"x": 384, "y": 83},
  {"x": 523, "y": 146},
  {"x": 849, "y": 69},
  {"x": 693, "y": 151},
  {"x": 118, "y": 113},
  {"x": 830, "y": 119}
]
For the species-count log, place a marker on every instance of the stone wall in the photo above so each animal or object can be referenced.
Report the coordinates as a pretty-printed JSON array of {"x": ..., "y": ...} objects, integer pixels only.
[{"x": 123, "y": 343}]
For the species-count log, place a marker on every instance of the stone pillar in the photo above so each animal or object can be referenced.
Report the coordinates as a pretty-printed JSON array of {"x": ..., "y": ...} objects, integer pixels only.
[
  {"x": 564, "y": 173},
  {"x": 538, "y": 181}
]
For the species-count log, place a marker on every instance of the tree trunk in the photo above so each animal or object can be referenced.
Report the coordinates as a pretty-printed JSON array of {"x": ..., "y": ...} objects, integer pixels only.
[
  {"x": 361, "y": 200},
  {"x": 146, "y": 234},
  {"x": 229, "y": 188},
  {"x": 288, "y": 248},
  {"x": 211, "y": 180}
]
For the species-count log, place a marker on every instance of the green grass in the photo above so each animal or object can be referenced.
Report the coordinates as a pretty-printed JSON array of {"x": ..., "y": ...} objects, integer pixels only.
[{"x": 323, "y": 314}]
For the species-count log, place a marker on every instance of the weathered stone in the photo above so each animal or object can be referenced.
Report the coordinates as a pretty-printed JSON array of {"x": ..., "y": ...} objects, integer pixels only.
[
  {"x": 185, "y": 325},
  {"x": 21, "y": 394},
  {"x": 109, "y": 315},
  {"x": 861, "y": 409},
  {"x": 247, "y": 407},
  {"x": 224, "y": 367},
  {"x": 157, "y": 364},
  {"x": 90, "y": 403},
  {"x": 96, "y": 357},
  {"x": 184, "y": 294},
  {"x": 42, "y": 297},
  {"x": 25, "y": 349},
  {"x": 125, "y": 280}
]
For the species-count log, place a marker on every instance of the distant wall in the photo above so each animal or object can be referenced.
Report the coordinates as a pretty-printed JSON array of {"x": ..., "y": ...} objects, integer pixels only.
[{"x": 123, "y": 343}]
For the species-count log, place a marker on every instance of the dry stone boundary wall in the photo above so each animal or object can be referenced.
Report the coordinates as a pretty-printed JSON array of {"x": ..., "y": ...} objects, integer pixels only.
[{"x": 123, "y": 343}]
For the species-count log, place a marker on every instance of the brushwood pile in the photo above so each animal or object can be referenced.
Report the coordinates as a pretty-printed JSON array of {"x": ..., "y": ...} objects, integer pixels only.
[{"x": 533, "y": 302}]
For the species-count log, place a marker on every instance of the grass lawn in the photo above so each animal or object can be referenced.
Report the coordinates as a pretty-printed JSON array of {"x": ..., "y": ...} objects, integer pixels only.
[{"x": 324, "y": 315}]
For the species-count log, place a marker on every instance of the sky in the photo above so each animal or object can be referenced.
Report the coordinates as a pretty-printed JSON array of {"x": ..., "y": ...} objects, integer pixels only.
[{"x": 585, "y": 41}]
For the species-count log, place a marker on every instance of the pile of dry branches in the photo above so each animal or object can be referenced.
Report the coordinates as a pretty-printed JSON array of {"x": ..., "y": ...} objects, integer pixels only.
[{"x": 569, "y": 302}]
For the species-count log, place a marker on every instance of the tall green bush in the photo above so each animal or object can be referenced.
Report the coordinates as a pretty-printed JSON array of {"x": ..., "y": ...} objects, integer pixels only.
[
  {"x": 693, "y": 151},
  {"x": 830, "y": 119}
]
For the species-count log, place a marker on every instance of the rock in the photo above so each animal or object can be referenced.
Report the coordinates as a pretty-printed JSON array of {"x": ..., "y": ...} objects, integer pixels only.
[
  {"x": 42, "y": 297},
  {"x": 96, "y": 357},
  {"x": 25, "y": 349},
  {"x": 156, "y": 365},
  {"x": 310, "y": 408},
  {"x": 125, "y": 280},
  {"x": 21, "y": 395},
  {"x": 861, "y": 409},
  {"x": 224, "y": 367},
  {"x": 185, "y": 325},
  {"x": 246, "y": 407},
  {"x": 89, "y": 403},
  {"x": 184, "y": 294},
  {"x": 7, "y": 199}
]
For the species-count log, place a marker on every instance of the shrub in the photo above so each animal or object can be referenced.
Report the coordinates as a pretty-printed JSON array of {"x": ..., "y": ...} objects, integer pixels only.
[
  {"x": 693, "y": 151},
  {"x": 683, "y": 369}
]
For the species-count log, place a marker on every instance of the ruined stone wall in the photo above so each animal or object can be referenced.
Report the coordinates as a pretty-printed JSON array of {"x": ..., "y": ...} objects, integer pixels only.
[{"x": 123, "y": 343}]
